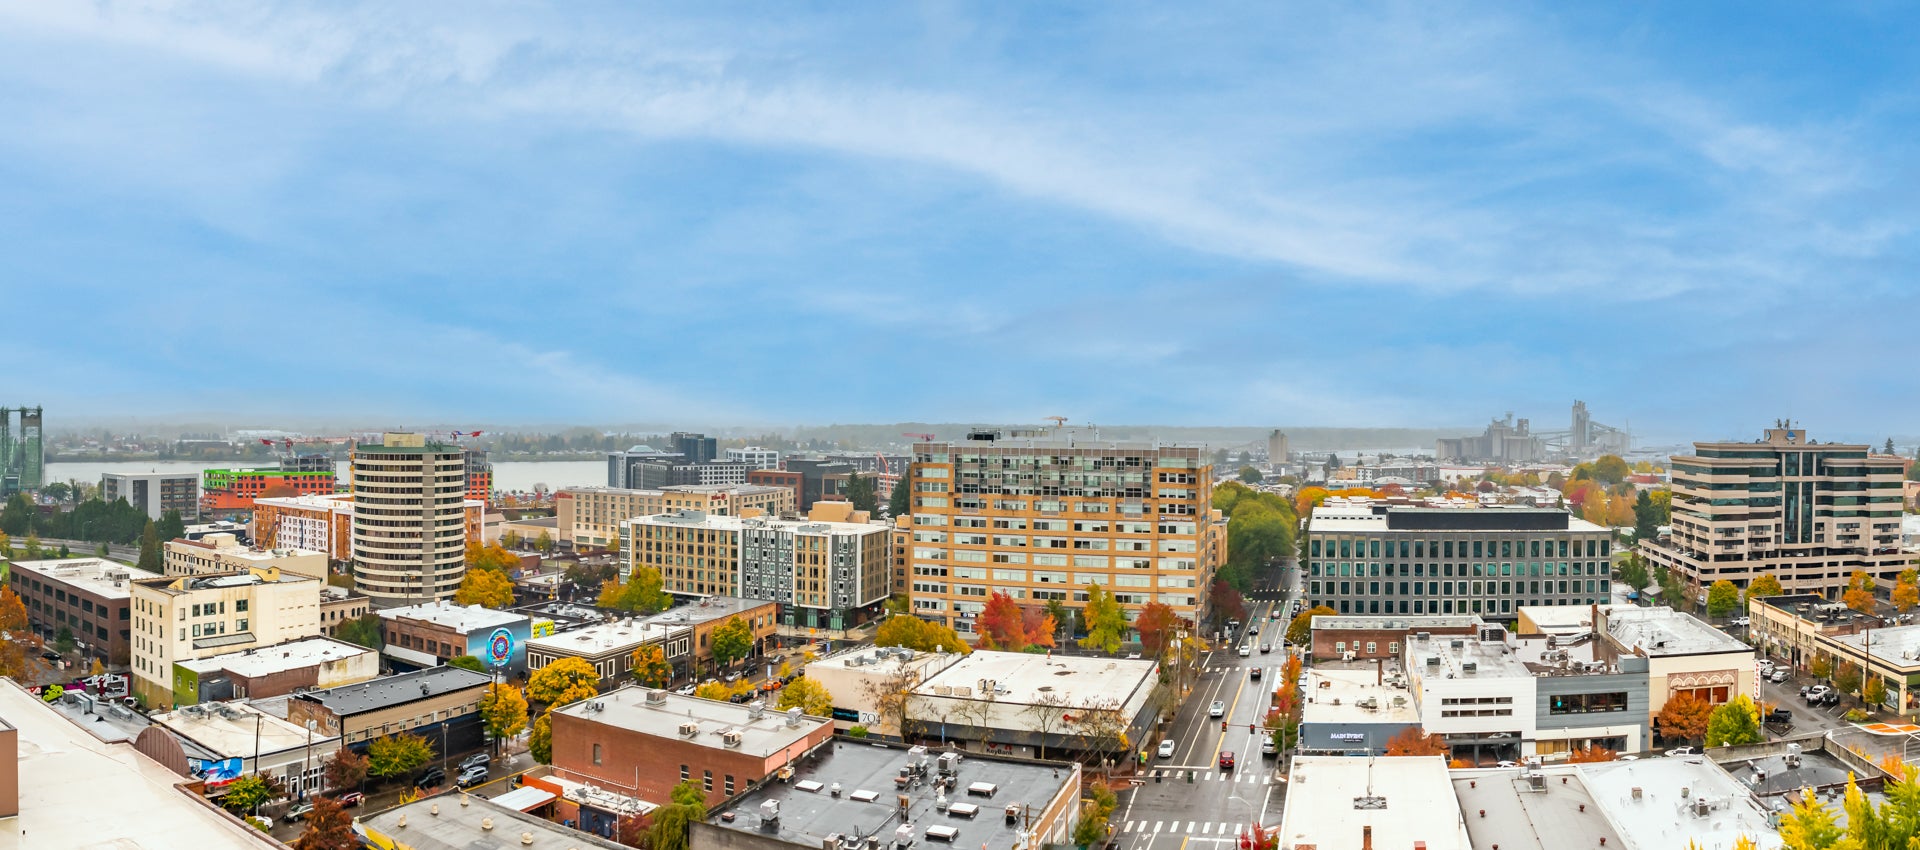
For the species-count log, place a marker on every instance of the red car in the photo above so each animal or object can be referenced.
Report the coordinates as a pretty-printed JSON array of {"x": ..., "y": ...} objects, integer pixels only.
[
  {"x": 351, "y": 798},
  {"x": 1226, "y": 759}
]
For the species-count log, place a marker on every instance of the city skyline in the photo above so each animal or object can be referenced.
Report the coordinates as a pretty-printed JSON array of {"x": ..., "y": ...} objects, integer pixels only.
[{"x": 1324, "y": 217}]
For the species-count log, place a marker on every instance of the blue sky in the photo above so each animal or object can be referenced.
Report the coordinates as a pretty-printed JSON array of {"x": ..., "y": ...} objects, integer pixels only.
[{"x": 1331, "y": 214}]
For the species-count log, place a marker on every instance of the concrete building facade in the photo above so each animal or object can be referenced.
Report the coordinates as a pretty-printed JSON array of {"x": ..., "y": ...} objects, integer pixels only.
[
  {"x": 154, "y": 493},
  {"x": 1041, "y": 519},
  {"x": 220, "y": 553},
  {"x": 271, "y": 671},
  {"x": 823, "y": 574},
  {"x": 409, "y": 525},
  {"x": 591, "y": 516},
  {"x": 436, "y": 702},
  {"x": 181, "y": 618},
  {"x": 89, "y": 596},
  {"x": 434, "y": 633}
]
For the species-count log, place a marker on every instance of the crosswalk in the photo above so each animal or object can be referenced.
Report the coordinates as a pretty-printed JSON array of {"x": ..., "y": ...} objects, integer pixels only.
[
  {"x": 1249, "y": 778},
  {"x": 1184, "y": 827}
]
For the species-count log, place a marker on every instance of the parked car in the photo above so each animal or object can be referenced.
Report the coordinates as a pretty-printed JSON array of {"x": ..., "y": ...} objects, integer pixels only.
[
  {"x": 433, "y": 776},
  {"x": 1780, "y": 715},
  {"x": 1816, "y": 693},
  {"x": 294, "y": 814},
  {"x": 1684, "y": 751},
  {"x": 1217, "y": 709},
  {"x": 1266, "y": 746},
  {"x": 472, "y": 776},
  {"x": 1166, "y": 748},
  {"x": 1779, "y": 675},
  {"x": 1830, "y": 698},
  {"x": 1226, "y": 759},
  {"x": 351, "y": 799},
  {"x": 1742, "y": 621},
  {"x": 475, "y": 760}
]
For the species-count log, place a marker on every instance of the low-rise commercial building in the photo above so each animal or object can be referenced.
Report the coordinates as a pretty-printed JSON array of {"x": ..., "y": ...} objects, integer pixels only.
[
  {"x": 428, "y": 635},
  {"x": 154, "y": 493},
  {"x": 831, "y": 575},
  {"x": 439, "y": 703},
  {"x": 1336, "y": 803},
  {"x": 87, "y": 596},
  {"x": 181, "y": 618},
  {"x": 1024, "y": 704},
  {"x": 1891, "y": 655},
  {"x": 339, "y": 605},
  {"x": 1352, "y": 710},
  {"x": 592, "y": 516},
  {"x": 271, "y": 671},
  {"x": 1364, "y": 638},
  {"x": 465, "y": 822},
  {"x": 860, "y": 680},
  {"x": 1790, "y": 627},
  {"x": 1366, "y": 557},
  {"x": 609, "y": 647},
  {"x": 221, "y": 553},
  {"x": 1684, "y": 655},
  {"x": 701, "y": 617},
  {"x": 1639, "y": 805},
  {"x": 234, "y": 739},
  {"x": 899, "y": 797}
]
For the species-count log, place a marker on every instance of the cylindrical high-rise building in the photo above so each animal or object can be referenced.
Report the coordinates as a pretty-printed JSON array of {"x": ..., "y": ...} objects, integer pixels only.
[{"x": 409, "y": 522}]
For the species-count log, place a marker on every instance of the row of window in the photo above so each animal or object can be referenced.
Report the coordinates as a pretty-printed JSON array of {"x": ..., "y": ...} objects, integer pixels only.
[
  {"x": 1446, "y": 588},
  {"x": 1345, "y": 568},
  {"x": 1376, "y": 548}
]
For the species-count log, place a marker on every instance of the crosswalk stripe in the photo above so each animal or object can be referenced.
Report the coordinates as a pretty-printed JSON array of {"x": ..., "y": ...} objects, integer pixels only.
[
  {"x": 1190, "y": 826},
  {"x": 1156, "y": 825},
  {"x": 1206, "y": 829}
]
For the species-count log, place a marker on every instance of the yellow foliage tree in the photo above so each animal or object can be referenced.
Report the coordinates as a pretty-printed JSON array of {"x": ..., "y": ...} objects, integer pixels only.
[
  {"x": 485, "y": 588},
  {"x": 1859, "y": 595},
  {"x": 563, "y": 681}
]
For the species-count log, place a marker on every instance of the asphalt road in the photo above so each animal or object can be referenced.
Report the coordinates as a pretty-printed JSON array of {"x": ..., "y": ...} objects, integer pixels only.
[{"x": 1188, "y": 800}]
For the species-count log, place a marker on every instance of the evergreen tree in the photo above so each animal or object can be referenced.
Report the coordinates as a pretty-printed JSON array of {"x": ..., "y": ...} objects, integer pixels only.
[
  {"x": 172, "y": 526},
  {"x": 150, "y": 549},
  {"x": 901, "y": 502},
  {"x": 860, "y": 492}
]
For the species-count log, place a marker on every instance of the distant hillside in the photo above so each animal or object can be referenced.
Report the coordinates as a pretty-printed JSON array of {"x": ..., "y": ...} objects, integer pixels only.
[{"x": 1228, "y": 437}]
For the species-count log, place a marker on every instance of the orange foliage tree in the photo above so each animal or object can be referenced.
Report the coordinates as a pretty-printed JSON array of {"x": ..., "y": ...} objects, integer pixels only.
[
  {"x": 1156, "y": 623},
  {"x": 1411, "y": 743},
  {"x": 1002, "y": 625},
  {"x": 1684, "y": 718},
  {"x": 1591, "y": 754}
]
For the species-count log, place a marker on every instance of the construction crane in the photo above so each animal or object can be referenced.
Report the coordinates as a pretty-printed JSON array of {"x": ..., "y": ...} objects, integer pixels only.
[
  {"x": 924, "y": 438},
  {"x": 1059, "y": 422}
]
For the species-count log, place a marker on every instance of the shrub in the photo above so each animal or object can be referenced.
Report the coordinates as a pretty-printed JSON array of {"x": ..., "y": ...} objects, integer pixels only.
[
  {"x": 857, "y": 731},
  {"x": 1856, "y": 716}
]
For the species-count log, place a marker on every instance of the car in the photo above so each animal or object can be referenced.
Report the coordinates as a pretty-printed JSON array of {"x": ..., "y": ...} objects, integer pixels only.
[
  {"x": 50, "y": 655},
  {"x": 1166, "y": 748},
  {"x": 433, "y": 776},
  {"x": 1217, "y": 709},
  {"x": 1830, "y": 698},
  {"x": 350, "y": 799},
  {"x": 1255, "y": 673},
  {"x": 1508, "y": 764},
  {"x": 1246, "y": 650},
  {"x": 1629, "y": 758},
  {"x": 1743, "y": 621},
  {"x": 685, "y": 691},
  {"x": 472, "y": 776},
  {"x": 1816, "y": 693},
  {"x": 1266, "y": 746},
  {"x": 1778, "y": 676},
  {"x": 1780, "y": 715},
  {"x": 1266, "y": 647},
  {"x": 299, "y": 811},
  {"x": 1683, "y": 751},
  {"x": 1226, "y": 759},
  {"x": 733, "y": 677},
  {"x": 475, "y": 760}
]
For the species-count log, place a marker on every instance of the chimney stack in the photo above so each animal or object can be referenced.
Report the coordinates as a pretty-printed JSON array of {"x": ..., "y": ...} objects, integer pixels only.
[{"x": 1366, "y": 837}]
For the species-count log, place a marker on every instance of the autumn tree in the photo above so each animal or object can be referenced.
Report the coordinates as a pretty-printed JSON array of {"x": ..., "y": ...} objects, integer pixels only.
[
  {"x": 485, "y": 588},
  {"x": 13, "y": 620},
  {"x": 494, "y": 557},
  {"x": 650, "y": 667},
  {"x": 643, "y": 592},
  {"x": 1157, "y": 623},
  {"x": 1001, "y": 626},
  {"x": 919, "y": 635},
  {"x": 1812, "y": 825},
  {"x": 397, "y": 754},
  {"x": 1226, "y": 602},
  {"x": 1906, "y": 591},
  {"x": 249, "y": 793},
  {"x": 329, "y": 827},
  {"x": 346, "y": 769},
  {"x": 1847, "y": 678},
  {"x": 540, "y": 739},
  {"x": 503, "y": 710},
  {"x": 563, "y": 681},
  {"x": 1683, "y": 718},
  {"x": 1874, "y": 692},
  {"x": 1735, "y": 722},
  {"x": 1764, "y": 586},
  {"x": 1722, "y": 599},
  {"x": 731, "y": 641},
  {"x": 1301, "y": 629},
  {"x": 1859, "y": 594},
  {"x": 808, "y": 695},
  {"x": 1106, "y": 622},
  {"x": 1591, "y": 753},
  {"x": 1041, "y": 627},
  {"x": 1411, "y": 742},
  {"x": 1820, "y": 667}
]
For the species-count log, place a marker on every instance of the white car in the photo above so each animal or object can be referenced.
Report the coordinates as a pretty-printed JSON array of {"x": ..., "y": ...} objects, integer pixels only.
[
  {"x": 1683, "y": 751},
  {"x": 1218, "y": 709},
  {"x": 1246, "y": 650},
  {"x": 1166, "y": 748}
]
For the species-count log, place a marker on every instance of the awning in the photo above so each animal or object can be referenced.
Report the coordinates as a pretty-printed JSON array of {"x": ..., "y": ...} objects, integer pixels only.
[{"x": 525, "y": 798}]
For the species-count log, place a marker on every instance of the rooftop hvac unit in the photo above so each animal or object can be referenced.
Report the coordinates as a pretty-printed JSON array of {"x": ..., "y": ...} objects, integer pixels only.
[
  {"x": 831, "y": 842},
  {"x": 1422, "y": 636},
  {"x": 903, "y": 835},
  {"x": 688, "y": 730},
  {"x": 1702, "y": 808},
  {"x": 1469, "y": 666},
  {"x": 656, "y": 696},
  {"x": 731, "y": 738},
  {"x": 1433, "y": 661},
  {"x": 1457, "y": 643},
  {"x": 793, "y": 716},
  {"x": 756, "y": 708}
]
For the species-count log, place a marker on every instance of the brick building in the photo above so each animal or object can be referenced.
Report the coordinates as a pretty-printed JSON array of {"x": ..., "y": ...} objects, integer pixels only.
[
  {"x": 434, "y": 633},
  {"x": 86, "y": 595},
  {"x": 271, "y": 671},
  {"x": 1370, "y": 638}
]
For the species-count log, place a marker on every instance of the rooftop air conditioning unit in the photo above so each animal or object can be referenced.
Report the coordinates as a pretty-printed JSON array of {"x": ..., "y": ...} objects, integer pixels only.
[
  {"x": 656, "y": 696},
  {"x": 688, "y": 730},
  {"x": 1469, "y": 666},
  {"x": 793, "y": 716},
  {"x": 731, "y": 738}
]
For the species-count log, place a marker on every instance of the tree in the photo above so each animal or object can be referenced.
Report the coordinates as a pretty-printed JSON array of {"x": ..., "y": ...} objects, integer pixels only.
[
  {"x": 860, "y": 493},
  {"x": 485, "y": 588},
  {"x": 1820, "y": 667},
  {"x": 398, "y": 754},
  {"x": 1811, "y": 826},
  {"x": 900, "y": 503},
  {"x": 1412, "y": 742},
  {"x": 1906, "y": 591},
  {"x": 329, "y": 827},
  {"x": 1226, "y": 602},
  {"x": 1062, "y": 615},
  {"x": 1672, "y": 591},
  {"x": 1250, "y": 475},
  {"x": 808, "y": 695},
  {"x": 150, "y": 549},
  {"x": 493, "y": 557},
  {"x": 1157, "y": 624},
  {"x": 643, "y": 592},
  {"x": 248, "y": 793},
  {"x": 13, "y": 620},
  {"x": 1646, "y": 523},
  {"x": 563, "y": 681},
  {"x": 1590, "y": 754},
  {"x": 1764, "y": 586},
  {"x": 1633, "y": 572},
  {"x": 171, "y": 526},
  {"x": 1874, "y": 692},
  {"x": 468, "y": 662},
  {"x": 1683, "y": 718},
  {"x": 670, "y": 822},
  {"x": 650, "y": 667},
  {"x": 540, "y": 740},
  {"x": 1106, "y": 622},
  {"x": 509, "y": 540},
  {"x": 503, "y": 710},
  {"x": 1001, "y": 624},
  {"x": 545, "y": 543},
  {"x": 918, "y": 635},
  {"x": 1847, "y": 678},
  {"x": 1610, "y": 469},
  {"x": 731, "y": 641},
  {"x": 363, "y": 630},
  {"x": 1859, "y": 594},
  {"x": 346, "y": 769},
  {"x": 63, "y": 640},
  {"x": 1734, "y": 722},
  {"x": 1301, "y": 629},
  {"x": 1722, "y": 599}
]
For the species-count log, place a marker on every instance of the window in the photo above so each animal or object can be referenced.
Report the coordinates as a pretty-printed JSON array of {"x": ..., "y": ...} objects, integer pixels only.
[
  {"x": 596, "y": 753},
  {"x": 1587, "y": 703},
  {"x": 683, "y": 773},
  {"x": 729, "y": 784},
  {"x": 708, "y": 781}
]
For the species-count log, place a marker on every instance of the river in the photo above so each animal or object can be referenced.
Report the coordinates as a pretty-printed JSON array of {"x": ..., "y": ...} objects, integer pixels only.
[{"x": 507, "y": 475}]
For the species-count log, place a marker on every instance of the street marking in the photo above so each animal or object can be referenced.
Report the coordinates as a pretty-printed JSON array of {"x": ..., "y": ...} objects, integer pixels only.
[
  {"x": 1156, "y": 825},
  {"x": 1206, "y": 829},
  {"x": 1190, "y": 826}
]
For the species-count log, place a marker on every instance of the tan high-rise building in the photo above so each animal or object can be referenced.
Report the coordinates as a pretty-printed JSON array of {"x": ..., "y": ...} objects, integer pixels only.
[
  {"x": 409, "y": 519},
  {"x": 832, "y": 570},
  {"x": 1809, "y": 513},
  {"x": 591, "y": 516},
  {"x": 1040, "y": 519}
]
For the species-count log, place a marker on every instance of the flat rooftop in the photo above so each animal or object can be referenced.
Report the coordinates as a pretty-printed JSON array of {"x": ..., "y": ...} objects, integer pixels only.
[
  {"x": 1023, "y": 677},
  {"x": 238, "y": 730},
  {"x": 464, "y": 619},
  {"x": 1331, "y": 799},
  {"x": 348, "y": 700},
  {"x": 467, "y": 822},
  {"x": 99, "y": 576},
  {"x": 1351, "y": 696},
  {"x": 311, "y": 501},
  {"x": 266, "y": 660},
  {"x": 728, "y": 522},
  {"x": 708, "y": 609},
  {"x": 1778, "y": 775},
  {"x": 1664, "y": 631},
  {"x": 1563, "y": 618},
  {"x": 83, "y": 792},
  {"x": 602, "y": 638},
  {"x": 1415, "y": 623},
  {"x": 1898, "y": 646},
  {"x": 1490, "y": 659},
  {"x": 763, "y": 732},
  {"x": 182, "y": 585},
  {"x": 1367, "y": 516},
  {"x": 1521, "y": 818},
  {"x": 1662, "y": 818},
  {"x": 809, "y": 812}
]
